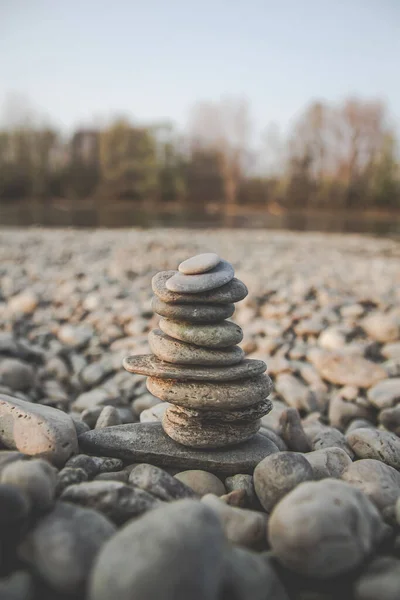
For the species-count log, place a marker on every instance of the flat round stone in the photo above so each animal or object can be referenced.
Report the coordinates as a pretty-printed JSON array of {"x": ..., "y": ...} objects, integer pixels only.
[
  {"x": 194, "y": 284},
  {"x": 219, "y": 335},
  {"x": 234, "y": 291},
  {"x": 211, "y": 396},
  {"x": 174, "y": 351},
  {"x": 193, "y": 313},
  {"x": 148, "y": 443},
  {"x": 147, "y": 364},
  {"x": 201, "y": 263},
  {"x": 246, "y": 414},
  {"x": 197, "y": 434}
]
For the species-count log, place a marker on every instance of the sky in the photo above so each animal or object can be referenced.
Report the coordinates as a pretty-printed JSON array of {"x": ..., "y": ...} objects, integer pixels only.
[{"x": 82, "y": 61}]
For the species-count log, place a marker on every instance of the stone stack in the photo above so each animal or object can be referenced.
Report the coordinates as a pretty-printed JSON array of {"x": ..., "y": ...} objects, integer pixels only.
[{"x": 216, "y": 396}]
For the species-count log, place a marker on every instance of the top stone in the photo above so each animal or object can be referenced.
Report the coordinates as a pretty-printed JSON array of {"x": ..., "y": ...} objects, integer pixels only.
[
  {"x": 201, "y": 263},
  {"x": 203, "y": 282}
]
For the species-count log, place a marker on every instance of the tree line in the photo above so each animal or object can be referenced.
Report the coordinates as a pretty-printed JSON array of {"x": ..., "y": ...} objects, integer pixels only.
[{"x": 334, "y": 156}]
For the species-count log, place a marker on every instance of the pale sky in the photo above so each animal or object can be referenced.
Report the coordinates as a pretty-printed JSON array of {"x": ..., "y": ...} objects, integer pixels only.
[{"x": 79, "y": 60}]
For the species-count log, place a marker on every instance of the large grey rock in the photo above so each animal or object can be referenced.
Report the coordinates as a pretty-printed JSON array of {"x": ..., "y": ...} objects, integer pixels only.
[
  {"x": 193, "y": 313},
  {"x": 174, "y": 553},
  {"x": 378, "y": 481},
  {"x": 214, "y": 395},
  {"x": 328, "y": 462},
  {"x": 201, "y": 263},
  {"x": 37, "y": 430},
  {"x": 147, "y": 442},
  {"x": 221, "y": 274},
  {"x": 116, "y": 500},
  {"x": 234, "y": 291},
  {"x": 16, "y": 374},
  {"x": 217, "y": 335},
  {"x": 173, "y": 351},
  {"x": 249, "y": 575},
  {"x": 153, "y": 367},
  {"x": 381, "y": 579},
  {"x": 64, "y": 544},
  {"x": 201, "y": 482},
  {"x": 243, "y": 527},
  {"x": 380, "y": 445},
  {"x": 36, "y": 478},
  {"x": 386, "y": 393},
  {"x": 278, "y": 474},
  {"x": 325, "y": 528},
  {"x": 159, "y": 483}
]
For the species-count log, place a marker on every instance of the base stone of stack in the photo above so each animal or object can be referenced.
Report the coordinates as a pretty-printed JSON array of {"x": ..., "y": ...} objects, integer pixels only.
[{"x": 147, "y": 442}]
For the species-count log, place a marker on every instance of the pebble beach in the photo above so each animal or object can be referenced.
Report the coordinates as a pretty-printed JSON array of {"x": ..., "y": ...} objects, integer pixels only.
[{"x": 88, "y": 512}]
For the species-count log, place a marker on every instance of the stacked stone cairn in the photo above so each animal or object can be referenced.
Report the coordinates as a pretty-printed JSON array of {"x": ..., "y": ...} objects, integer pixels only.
[{"x": 216, "y": 396}]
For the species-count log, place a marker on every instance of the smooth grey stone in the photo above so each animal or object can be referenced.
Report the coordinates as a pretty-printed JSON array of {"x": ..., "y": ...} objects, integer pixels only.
[
  {"x": 218, "y": 335},
  {"x": 212, "y": 396},
  {"x": 108, "y": 417},
  {"x": 37, "y": 430},
  {"x": 277, "y": 474},
  {"x": 64, "y": 544},
  {"x": 329, "y": 437},
  {"x": 158, "y": 482},
  {"x": 15, "y": 507},
  {"x": 93, "y": 399},
  {"x": 151, "y": 366},
  {"x": 90, "y": 415},
  {"x": 274, "y": 437},
  {"x": 201, "y": 263},
  {"x": 116, "y": 500},
  {"x": 36, "y": 478},
  {"x": 9, "y": 456},
  {"x": 193, "y": 313},
  {"x": 385, "y": 394},
  {"x": 204, "y": 282},
  {"x": 328, "y": 462},
  {"x": 173, "y": 351},
  {"x": 178, "y": 554},
  {"x": 359, "y": 424},
  {"x": 75, "y": 336},
  {"x": 201, "y": 482},
  {"x": 243, "y": 482},
  {"x": 242, "y": 526},
  {"x": 16, "y": 374},
  {"x": 292, "y": 431},
  {"x": 380, "y": 580},
  {"x": 143, "y": 403},
  {"x": 154, "y": 414},
  {"x": 378, "y": 481},
  {"x": 390, "y": 419},
  {"x": 248, "y": 575},
  {"x": 80, "y": 426},
  {"x": 17, "y": 586},
  {"x": 372, "y": 443},
  {"x": 234, "y": 291},
  {"x": 324, "y": 528},
  {"x": 206, "y": 433},
  {"x": 293, "y": 391},
  {"x": 147, "y": 442},
  {"x": 69, "y": 476},
  {"x": 391, "y": 350}
]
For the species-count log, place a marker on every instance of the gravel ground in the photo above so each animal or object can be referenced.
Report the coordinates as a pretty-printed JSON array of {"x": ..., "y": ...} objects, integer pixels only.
[{"x": 318, "y": 518}]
